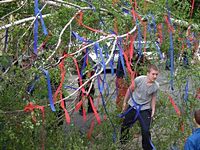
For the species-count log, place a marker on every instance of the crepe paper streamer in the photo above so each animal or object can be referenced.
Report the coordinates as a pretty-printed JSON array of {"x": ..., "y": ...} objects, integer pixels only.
[
  {"x": 59, "y": 90},
  {"x": 84, "y": 62},
  {"x": 80, "y": 22},
  {"x": 31, "y": 88},
  {"x": 78, "y": 37},
  {"x": 186, "y": 91},
  {"x": 128, "y": 64},
  {"x": 94, "y": 110},
  {"x": 158, "y": 50},
  {"x": 35, "y": 27},
  {"x": 46, "y": 73},
  {"x": 192, "y": 8},
  {"x": 160, "y": 33},
  {"x": 67, "y": 117},
  {"x": 136, "y": 16},
  {"x": 188, "y": 43},
  {"x": 139, "y": 41},
  {"x": 36, "y": 11},
  {"x": 30, "y": 108},
  {"x": 70, "y": 87},
  {"x": 171, "y": 49},
  {"x": 170, "y": 27},
  {"x": 42, "y": 23},
  {"x": 111, "y": 63},
  {"x": 90, "y": 4},
  {"x": 78, "y": 105},
  {"x": 154, "y": 23},
  {"x": 114, "y": 137},
  {"x": 89, "y": 134},
  {"x": 6, "y": 39},
  {"x": 126, "y": 11},
  {"x": 121, "y": 58},
  {"x": 175, "y": 106},
  {"x": 104, "y": 68},
  {"x": 153, "y": 147}
]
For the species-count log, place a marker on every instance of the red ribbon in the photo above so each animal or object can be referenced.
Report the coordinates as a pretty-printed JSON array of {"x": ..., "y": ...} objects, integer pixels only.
[
  {"x": 175, "y": 106},
  {"x": 80, "y": 22},
  {"x": 30, "y": 108},
  {"x": 192, "y": 8},
  {"x": 170, "y": 27},
  {"x": 89, "y": 134}
]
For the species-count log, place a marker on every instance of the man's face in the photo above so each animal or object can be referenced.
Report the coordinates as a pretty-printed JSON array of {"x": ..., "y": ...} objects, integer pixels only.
[{"x": 152, "y": 75}]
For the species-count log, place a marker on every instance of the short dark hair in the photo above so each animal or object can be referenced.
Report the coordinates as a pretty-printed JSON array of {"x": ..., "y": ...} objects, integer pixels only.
[
  {"x": 151, "y": 66},
  {"x": 197, "y": 116}
]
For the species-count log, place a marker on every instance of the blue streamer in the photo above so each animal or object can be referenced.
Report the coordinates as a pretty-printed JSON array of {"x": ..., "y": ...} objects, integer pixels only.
[
  {"x": 139, "y": 40},
  {"x": 188, "y": 43},
  {"x": 154, "y": 23},
  {"x": 31, "y": 88},
  {"x": 122, "y": 58},
  {"x": 43, "y": 24},
  {"x": 158, "y": 50},
  {"x": 78, "y": 37},
  {"x": 171, "y": 50},
  {"x": 6, "y": 40},
  {"x": 111, "y": 63},
  {"x": 36, "y": 11},
  {"x": 46, "y": 73},
  {"x": 70, "y": 87},
  {"x": 186, "y": 91},
  {"x": 35, "y": 27}
]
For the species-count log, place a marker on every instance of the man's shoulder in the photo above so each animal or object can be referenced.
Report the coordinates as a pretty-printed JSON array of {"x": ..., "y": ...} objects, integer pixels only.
[
  {"x": 141, "y": 77},
  {"x": 157, "y": 84}
]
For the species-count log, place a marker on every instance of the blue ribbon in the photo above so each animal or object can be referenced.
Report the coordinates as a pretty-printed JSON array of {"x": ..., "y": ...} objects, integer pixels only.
[
  {"x": 171, "y": 50},
  {"x": 46, "y": 73},
  {"x": 6, "y": 39},
  {"x": 121, "y": 58},
  {"x": 36, "y": 11},
  {"x": 43, "y": 24},
  {"x": 158, "y": 50},
  {"x": 70, "y": 87},
  {"x": 31, "y": 88},
  {"x": 188, "y": 43},
  {"x": 35, "y": 27},
  {"x": 186, "y": 91},
  {"x": 112, "y": 124},
  {"x": 111, "y": 63},
  {"x": 154, "y": 23},
  {"x": 139, "y": 40}
]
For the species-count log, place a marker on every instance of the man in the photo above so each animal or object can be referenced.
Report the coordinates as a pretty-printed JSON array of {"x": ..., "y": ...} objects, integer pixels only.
[
  {"x": 139, "y": 104},
  {"x": 86, "y": 61},
  {"x": 121, "y": 85},
  {"x": 193, "y": 141}
]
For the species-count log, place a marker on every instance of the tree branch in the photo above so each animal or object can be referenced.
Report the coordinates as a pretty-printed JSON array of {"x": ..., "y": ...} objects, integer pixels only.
[{"x": 21, "y": 21}]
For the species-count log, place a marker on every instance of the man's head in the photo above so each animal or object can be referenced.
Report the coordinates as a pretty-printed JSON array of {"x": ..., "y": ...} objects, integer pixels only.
[
  {"x": 152, "y": 72},
  {"x": 197, "y": 117}
]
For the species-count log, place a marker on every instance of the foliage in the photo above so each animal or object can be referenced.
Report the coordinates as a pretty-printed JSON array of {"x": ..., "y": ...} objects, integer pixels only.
[{"x": 19, "y": 68}]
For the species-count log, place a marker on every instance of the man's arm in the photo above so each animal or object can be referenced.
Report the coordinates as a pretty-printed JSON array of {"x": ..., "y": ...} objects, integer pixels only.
[
  {"x": 153, "y": 105},
  {"x": 127, "y": 97}
]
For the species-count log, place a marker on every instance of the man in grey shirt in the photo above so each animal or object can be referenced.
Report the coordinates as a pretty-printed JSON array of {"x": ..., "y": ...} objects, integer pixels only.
[{"x": 139, "y": 104}]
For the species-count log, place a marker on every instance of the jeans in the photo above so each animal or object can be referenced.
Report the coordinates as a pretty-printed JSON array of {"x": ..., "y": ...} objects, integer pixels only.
[{"x": 144, "y": 119}]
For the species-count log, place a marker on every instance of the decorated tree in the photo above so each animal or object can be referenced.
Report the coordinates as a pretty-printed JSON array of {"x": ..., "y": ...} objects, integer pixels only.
[{"x": 41, "y": 51}]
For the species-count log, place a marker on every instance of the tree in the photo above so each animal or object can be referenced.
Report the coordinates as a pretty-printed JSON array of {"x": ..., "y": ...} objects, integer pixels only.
[{"x": 73, "y": 26}]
